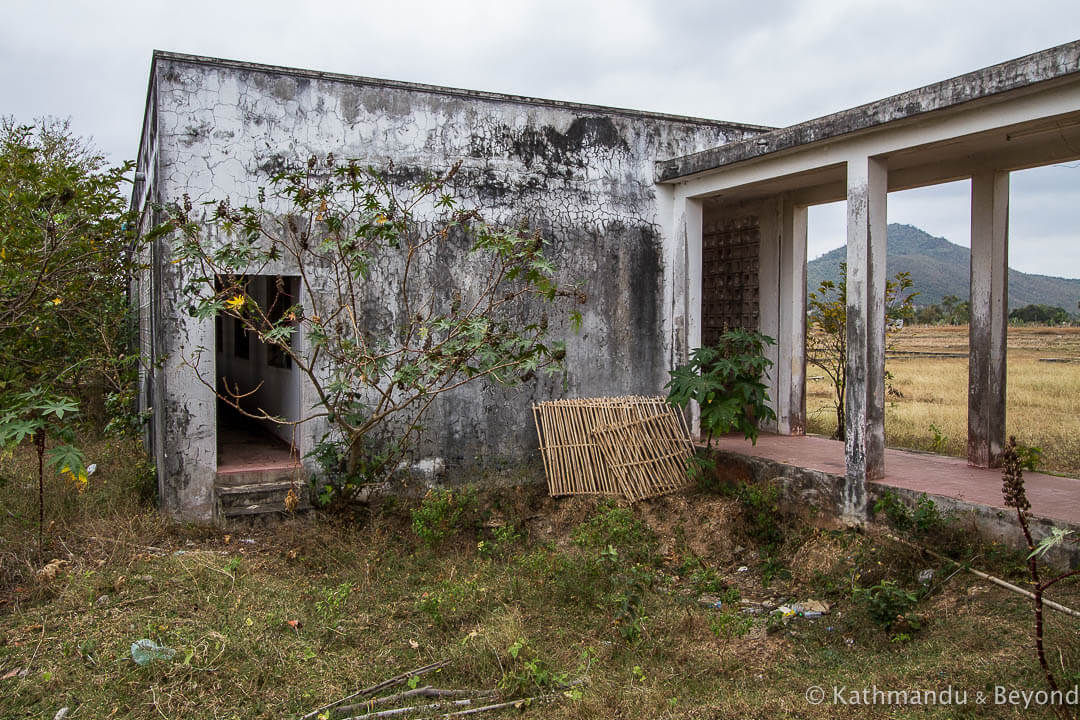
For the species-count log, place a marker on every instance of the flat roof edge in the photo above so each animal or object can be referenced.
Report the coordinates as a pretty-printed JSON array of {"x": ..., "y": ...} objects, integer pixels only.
[
  {"x": 444, "y": 90},
  {"x": 1027, "y": 71}
]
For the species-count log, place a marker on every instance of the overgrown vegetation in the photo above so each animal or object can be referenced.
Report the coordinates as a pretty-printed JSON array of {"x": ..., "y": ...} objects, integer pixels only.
[
  {"x": 921, "y": 520},
  {"x": 890, "y": 606},
  {"x": 66, "y": 257},
  {"x": 275, "y": 622},
  {"x": 441, "y": 513}
]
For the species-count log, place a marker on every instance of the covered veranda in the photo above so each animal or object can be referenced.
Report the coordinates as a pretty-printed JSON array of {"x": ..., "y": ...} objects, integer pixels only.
[{"x": 736, "y": 222}]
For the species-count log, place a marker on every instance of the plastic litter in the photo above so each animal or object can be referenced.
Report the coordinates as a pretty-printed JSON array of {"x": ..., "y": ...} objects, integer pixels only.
[
  {"x": 145, "y": 651},
  {"x": 926, "y": 576},
  {"x": 811, "y": 608}
]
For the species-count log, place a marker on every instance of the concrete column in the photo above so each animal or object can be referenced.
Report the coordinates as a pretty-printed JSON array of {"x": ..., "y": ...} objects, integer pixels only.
[
  {"x": 686, "y": 297},
  {"x": 782, "y": 287},
  {"x": 770, "y": 286},
  {"x": 865, "y": 397},
  {"x": 790, "y": 370},
  {"x": 989, "y": 317}
]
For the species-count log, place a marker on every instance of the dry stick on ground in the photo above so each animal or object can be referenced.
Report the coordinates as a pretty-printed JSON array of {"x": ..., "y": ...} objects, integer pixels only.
[
  {"x": 379, "y": 687},
  {"x": 426, "y": 691},
  {"x": 513, "y": 703},
  {"x": 496, "y": 706},
  {"x": 409, "y": 710}
]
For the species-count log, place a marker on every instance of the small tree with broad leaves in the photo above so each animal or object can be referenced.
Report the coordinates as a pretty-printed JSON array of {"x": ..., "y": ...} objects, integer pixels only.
[
  {"x": 388, "y": 329},
  {"x": 826, "y": 336}
]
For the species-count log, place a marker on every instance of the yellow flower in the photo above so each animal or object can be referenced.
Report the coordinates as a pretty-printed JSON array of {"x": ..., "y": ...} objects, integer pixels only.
[
  {"x": 380, "y": 218},
  {"x": 236, "y": 302},
  {"x": 57, "y": 301},
  {"x": 81, "y": 478}
]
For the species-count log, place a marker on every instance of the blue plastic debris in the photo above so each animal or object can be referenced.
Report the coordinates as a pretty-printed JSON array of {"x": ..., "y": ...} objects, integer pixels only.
[{"x": 145, "y": 651}]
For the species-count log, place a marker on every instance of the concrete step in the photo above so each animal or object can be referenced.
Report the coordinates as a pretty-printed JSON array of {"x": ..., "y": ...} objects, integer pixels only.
[
  {"x": 259, "y": 475},
  {"x": 260, "y": 497}
]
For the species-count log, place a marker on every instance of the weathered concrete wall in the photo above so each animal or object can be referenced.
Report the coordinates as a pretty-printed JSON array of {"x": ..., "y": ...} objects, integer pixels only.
[{"x": 582, "y": 174}]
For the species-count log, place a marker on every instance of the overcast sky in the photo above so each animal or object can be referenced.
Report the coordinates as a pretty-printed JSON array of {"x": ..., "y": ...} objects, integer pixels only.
[{"x": 769, "y": 62}]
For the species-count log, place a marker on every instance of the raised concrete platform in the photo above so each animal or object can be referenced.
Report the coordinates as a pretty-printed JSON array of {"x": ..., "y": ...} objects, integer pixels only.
[{"x": 1051, "y": 496}]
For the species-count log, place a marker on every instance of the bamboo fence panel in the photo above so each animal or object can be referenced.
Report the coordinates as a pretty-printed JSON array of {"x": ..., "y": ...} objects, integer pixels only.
[
  {"x": 648, "y": 456},
  {"x": 575, "y": 464}
]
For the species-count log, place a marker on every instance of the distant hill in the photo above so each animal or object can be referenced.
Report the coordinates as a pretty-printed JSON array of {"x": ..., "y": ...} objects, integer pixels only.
[{"x": 939, "y": 268}]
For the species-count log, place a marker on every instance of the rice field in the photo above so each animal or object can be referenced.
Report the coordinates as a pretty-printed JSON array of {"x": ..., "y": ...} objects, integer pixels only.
[{"x": 930, "y": 411}]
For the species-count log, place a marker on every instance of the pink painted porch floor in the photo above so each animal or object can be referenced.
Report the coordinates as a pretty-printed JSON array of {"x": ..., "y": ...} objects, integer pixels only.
[
  {"x": 1051, "y": 496},
  {"x": 248, "y": 448}
]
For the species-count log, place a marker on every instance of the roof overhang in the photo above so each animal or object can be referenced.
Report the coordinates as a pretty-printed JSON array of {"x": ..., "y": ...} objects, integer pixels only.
[{"x": 1019, "y": 114}]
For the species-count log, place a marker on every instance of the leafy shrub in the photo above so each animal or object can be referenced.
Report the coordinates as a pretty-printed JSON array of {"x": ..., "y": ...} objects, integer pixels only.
[
  {"x": 616, "y": 527},
  {"x": 707, "y": 580},
  {"x": 450, "y": 601},
  {"x": 940, "y": 443},
  {"x": 332, "y": 605},
  {"x": 442, "y": 513},
  {"x": 725, "y": 381},
  {"x": 889, "y": 605},
  {"x": 730, "y": 625},
  {"x": 628, "y": 597},
  {"x": 761, "y": 511},
  {"x": 923, "y": 519},
  {"x": 773, "y": 569},
  {"x": 1030, "y": 457},
  {"x": 503, "y": 539},
  {"x": 528, "y": 671}
]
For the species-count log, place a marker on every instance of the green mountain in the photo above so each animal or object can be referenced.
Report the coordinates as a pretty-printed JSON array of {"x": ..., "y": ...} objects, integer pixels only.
[{"x": 939, "y": 268}]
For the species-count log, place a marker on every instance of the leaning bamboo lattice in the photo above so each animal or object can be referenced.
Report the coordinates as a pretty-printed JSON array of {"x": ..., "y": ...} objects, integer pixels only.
[{"x": 633, "y": 446}]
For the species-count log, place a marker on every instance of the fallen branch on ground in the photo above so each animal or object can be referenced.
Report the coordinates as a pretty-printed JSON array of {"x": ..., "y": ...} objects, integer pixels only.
[
  {"x": 379, "y": 687},
  {"x": 498, "y": 706},
  {"x": 427, "y": 691},
  {"x": 409, "y": 710}
]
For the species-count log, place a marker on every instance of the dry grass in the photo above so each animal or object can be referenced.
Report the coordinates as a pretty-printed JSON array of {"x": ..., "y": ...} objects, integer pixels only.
[
  {"x": 1042, "y": 397},
  {"x": 313, "y": 608}
]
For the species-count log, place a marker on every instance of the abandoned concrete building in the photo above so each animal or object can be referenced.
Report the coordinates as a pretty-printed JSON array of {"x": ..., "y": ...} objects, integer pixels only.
[{"x": 677, "y": 227}]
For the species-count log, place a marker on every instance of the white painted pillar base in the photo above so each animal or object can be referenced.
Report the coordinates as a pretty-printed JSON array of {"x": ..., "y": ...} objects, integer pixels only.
[
  {"x": 989, "y": 317},
  {"x": 864, "y": 407}
]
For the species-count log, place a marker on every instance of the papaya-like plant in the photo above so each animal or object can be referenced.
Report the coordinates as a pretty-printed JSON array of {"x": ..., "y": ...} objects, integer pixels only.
[{"x": 725, "y": 380}]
